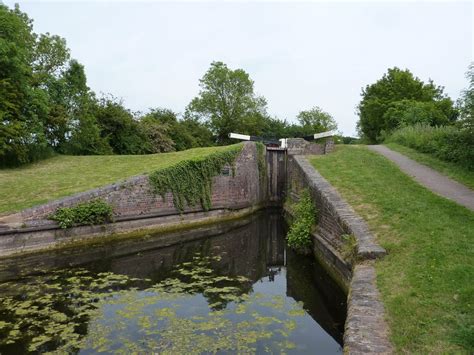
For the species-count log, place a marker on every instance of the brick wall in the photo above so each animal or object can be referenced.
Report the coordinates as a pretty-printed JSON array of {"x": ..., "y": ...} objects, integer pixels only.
[
  {"x": 334, "y": 215},
  {"x": 134, "y": 197}
]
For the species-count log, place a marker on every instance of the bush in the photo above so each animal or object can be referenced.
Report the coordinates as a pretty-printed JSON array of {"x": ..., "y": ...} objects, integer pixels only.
[
  {"x": 87, "y": 213},
  {"x": 299, "y": 235},
  {"x": 450, "y": 143}
]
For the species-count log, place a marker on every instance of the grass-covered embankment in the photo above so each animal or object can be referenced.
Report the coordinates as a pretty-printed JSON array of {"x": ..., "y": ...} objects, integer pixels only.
[
  {"x": 426, "y": 280},
  {"x": 65, "y": 175},
  {"x": 454, "y": 171}
]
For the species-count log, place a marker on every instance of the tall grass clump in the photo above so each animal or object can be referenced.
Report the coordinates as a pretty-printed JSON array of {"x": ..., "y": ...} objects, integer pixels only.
[{"x": 449, "y": 143}]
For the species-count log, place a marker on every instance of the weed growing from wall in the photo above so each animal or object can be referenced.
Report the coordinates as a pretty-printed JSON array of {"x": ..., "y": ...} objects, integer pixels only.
[
  {"x": 349, "y": 248},
  {"x": 87, "y": 213},
  {"x": 299, "y": 235},
  {"x": 190, "y": 181}
]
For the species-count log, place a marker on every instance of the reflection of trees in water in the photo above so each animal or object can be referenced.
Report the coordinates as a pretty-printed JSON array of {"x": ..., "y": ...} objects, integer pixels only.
[
  {"x": 209, "y": 266},
  {"x": 323, "y": 299}
]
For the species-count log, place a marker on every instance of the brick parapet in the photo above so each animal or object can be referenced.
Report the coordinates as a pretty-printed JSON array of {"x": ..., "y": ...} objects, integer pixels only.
[
  {"x": 335, "y": 216},
  {"x": 135, "y": 197}
]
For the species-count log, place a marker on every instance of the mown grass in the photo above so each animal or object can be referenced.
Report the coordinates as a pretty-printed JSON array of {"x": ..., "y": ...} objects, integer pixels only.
[
  {"x": 427, "y": 278},
  {"x": 65, "y": 175},
  {"x": 454, "y": 171}
]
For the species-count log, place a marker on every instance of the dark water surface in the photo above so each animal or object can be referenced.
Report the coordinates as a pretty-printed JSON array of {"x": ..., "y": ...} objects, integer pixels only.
[{"x": 228, "y": 288}]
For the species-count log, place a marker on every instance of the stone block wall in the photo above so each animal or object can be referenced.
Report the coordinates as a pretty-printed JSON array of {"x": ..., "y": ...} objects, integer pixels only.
[
  {"x": 300, "y": 146},
  {"x": 135, "y": 198}
]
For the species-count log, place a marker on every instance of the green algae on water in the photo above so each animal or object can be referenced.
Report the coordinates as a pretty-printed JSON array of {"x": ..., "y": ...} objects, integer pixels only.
[{"x": 68, "y": 310}]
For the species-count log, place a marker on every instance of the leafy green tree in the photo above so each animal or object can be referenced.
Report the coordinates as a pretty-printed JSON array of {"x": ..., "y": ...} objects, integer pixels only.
[
  {"x": 86, "y": 139},
  {"x": 50, "y": 58},
  {"x": 410, "y": 112},
  {"x": 466, "y": 101},
  {"x": 118, "y": 127},
  {"x": 191, "y": 133},
  {"x": 400, "y": 86},
  {"x": 18, "y": 131},
  {"x": 72, "y": 125},
  {"x": 156, "y": 125},
  {"x": 185, "y": 133},
  {"x": 227, "y": 102},
  {"x": 316, "y": 120},
  {"x": 158, "y": 139}
]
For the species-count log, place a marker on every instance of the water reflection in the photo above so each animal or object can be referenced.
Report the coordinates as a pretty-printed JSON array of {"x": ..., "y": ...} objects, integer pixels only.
[{"x": 223, "y": 288}]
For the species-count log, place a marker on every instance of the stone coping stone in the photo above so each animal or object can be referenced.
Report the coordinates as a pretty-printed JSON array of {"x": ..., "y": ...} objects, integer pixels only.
[
  {"x": 366, "y": 331},
  {"x": 367, "y": 248}
]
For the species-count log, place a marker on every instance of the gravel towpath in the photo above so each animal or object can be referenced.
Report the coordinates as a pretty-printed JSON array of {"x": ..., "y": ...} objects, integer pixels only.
[{"x": 433, "y": 180}]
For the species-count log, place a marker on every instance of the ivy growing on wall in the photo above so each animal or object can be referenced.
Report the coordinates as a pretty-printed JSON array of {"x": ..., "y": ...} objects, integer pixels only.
[{"x": 190, "y": 181}]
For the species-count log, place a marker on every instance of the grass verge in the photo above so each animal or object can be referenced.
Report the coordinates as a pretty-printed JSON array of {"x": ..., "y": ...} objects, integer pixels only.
[
  {"x": 64, "y": 175},
  {"x": 454, "y": 171},
  {"x": 426, "y": 280}
]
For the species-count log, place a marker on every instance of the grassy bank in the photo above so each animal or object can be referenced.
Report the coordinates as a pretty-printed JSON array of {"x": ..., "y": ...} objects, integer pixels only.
[
  {"x": 454, "y": 171},
  {"x": 65, "y": 175},
  {"x": 426, "y": 281}
]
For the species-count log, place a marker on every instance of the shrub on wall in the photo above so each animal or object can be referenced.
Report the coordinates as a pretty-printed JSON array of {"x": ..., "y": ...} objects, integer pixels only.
[
  {"x": 299, "y": 235},
  {"x": 87, "y": 213},
  {"x": 190, "y": 181}
]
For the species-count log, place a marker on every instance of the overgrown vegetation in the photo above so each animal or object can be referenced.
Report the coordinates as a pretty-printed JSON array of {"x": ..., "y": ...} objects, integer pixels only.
[
  {"x": 304, "y": 217},
  {"x": 190, "y": 181},
  {"x": 426, "y": 278},
  {"x": 86, "y": 213},
  {"x": 448, "y": 143},
  {"x": 65, "y": 175}
]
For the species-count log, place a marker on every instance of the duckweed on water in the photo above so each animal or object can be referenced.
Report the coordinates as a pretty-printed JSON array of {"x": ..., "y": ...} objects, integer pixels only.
[{"x": 69, "y": 310}]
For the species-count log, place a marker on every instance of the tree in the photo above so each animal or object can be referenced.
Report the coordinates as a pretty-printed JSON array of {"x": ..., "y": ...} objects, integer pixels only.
[
  {"x": 18, "y": 130},
  {"x": 316, "y": 120},
  {"x": 398, "y": 90},
  {"x": 466, "y": 101},
  {"x": 118, "y": 127},
  {"x": 50, "y": 58},
  {"x": 86, "y": 139},
  {"x": 157, "y": 125},
  {"x": 184, "y": 133},
  {"x": 227, "y": 102}
]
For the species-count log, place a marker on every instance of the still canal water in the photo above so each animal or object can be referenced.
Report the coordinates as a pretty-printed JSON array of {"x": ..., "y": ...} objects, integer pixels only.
[{"x": 232, "y": 287}]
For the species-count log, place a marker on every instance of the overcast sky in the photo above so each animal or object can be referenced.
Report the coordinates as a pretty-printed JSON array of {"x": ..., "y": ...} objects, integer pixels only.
[{"x": 300, "y": 55}]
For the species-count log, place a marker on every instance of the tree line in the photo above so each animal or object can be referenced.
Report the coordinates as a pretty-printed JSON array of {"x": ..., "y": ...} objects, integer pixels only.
[
  {"x": 400, "y": 99},
  {"x": 46, "y": 106}
]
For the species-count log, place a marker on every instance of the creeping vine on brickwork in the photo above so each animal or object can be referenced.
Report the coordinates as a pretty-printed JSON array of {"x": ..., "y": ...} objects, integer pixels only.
[{"x": 190, "y": 181}]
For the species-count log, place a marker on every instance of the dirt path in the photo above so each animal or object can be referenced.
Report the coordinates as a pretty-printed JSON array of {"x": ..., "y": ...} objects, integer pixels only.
[{"x": 431, "y": 179}]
